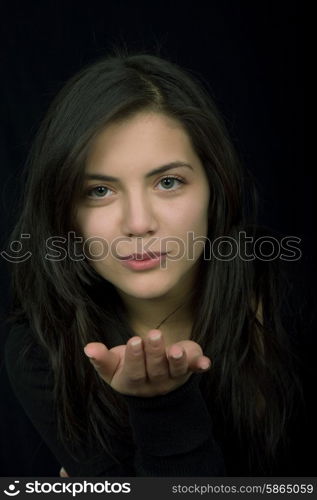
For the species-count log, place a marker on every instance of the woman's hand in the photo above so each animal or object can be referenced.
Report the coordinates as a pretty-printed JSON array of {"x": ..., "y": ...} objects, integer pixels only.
[
  {"x": 63, "y": 473},
  {"x": 146, "y": 367}
]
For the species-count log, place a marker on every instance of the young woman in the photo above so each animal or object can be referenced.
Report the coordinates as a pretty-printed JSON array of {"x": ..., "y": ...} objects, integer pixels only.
[{"x": 139, "y": 346}]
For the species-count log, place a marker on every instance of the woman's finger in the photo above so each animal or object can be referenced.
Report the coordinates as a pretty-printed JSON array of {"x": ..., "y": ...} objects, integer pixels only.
[
  {"x": 134, "y": 368},
  {"x": 155, "y": 356},
  {"x": 63, "y": 473},
  {"x": 177, "y": 359},
  {"x": 104, "y": 360},
  {"x": 202, "y": 363},
  {"x": 196, "y": 360}
]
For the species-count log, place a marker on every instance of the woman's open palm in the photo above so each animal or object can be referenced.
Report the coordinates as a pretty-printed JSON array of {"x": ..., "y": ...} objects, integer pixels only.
[{"x": 146, "y": 367}]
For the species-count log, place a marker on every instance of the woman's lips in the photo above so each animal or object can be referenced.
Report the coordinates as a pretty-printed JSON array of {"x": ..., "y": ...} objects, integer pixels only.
[
  {"x": 141, "y": 262},
  {"x": 144, "y": 256}
]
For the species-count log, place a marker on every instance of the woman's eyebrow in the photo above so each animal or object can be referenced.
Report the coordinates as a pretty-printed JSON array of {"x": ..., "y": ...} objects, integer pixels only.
[{"x": 159, "y": 170}]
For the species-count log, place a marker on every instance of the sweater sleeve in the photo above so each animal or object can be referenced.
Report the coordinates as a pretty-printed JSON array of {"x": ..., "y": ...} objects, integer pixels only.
[
  {"x": 174, "y": 434},
  {"x": 32, "y": 382}
]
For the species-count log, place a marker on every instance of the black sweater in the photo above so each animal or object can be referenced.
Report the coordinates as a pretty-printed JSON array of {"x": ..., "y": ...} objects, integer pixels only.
[{"x": 172, "y": 433}]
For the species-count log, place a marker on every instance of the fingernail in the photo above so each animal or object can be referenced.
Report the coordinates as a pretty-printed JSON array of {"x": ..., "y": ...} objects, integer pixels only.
[
  {"x": 155, "y": 337},
  {"x": 136, "y": 344},
  {"x": 177, "y": 354},
  {"x": 205, "y": 365},
  {"x": 88, "y": 355}
]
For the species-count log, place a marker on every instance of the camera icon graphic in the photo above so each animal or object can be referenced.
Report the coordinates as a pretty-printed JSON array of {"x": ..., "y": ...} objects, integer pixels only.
[{"x": 12, "y": 490}]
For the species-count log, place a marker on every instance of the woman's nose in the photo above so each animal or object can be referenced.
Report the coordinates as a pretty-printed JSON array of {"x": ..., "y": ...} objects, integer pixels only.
[{"x": 138, "y": 216}]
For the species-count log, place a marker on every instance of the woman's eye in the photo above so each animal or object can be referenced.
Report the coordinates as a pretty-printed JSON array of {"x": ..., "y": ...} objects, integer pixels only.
[
  {"x": 170, "y": 183},
  {"x": 98, "y": 192}
]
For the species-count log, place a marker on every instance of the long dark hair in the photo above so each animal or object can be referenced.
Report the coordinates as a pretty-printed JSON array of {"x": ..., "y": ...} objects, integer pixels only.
[{"x": 250, "y": 388}]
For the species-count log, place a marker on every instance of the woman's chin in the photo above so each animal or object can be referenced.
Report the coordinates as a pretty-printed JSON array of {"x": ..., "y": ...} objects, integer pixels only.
[
  {"x": 147, "y": 289},
  {"x": 146, "y": 294}
]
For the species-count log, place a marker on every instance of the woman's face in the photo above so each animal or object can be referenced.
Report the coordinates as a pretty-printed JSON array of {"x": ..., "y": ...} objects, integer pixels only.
[{"x": 145, "y": 201}]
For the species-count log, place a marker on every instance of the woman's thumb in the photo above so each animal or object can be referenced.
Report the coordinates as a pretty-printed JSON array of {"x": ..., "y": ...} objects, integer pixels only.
[{"x": 103, "y": 360}]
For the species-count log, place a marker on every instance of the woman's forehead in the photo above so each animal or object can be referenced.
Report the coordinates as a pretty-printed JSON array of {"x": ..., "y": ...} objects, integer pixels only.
[{"x": 148, "y": 140}]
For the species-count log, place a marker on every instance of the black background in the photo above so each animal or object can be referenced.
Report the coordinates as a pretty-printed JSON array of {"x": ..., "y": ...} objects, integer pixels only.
[{"x": 250, "y": 54}]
